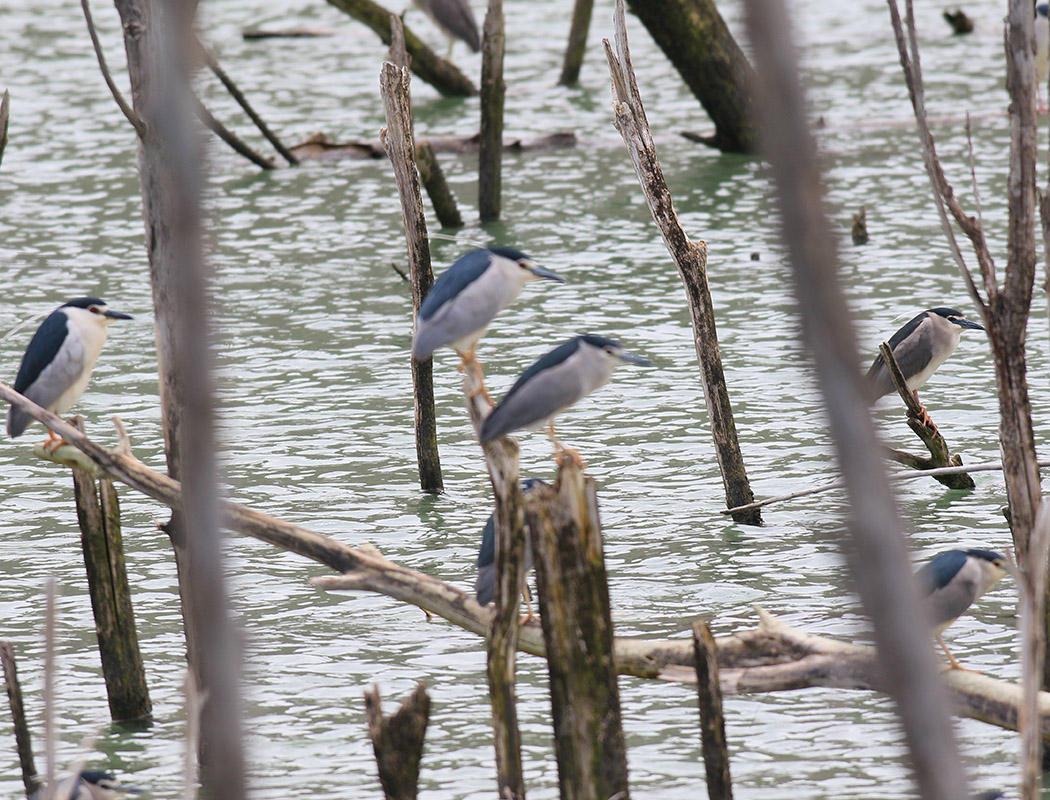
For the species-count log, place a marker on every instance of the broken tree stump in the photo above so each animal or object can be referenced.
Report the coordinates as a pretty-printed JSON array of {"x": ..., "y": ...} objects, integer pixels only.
[{"x": 398, "y": 741}]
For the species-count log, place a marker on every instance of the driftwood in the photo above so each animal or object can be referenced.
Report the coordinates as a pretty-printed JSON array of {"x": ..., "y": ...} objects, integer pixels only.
[
  {"x": 398, "y": 741},
  {"x": 774, "y": 657},
  {"x": 397, "y": 139},
  {"x": 712, "y": 719},
  {"x": 875, "y": 550},
  {"x": 493, "y": 92},
  {"x": 698, "y": 43},
  {"x": 98, "y": 513},
  {"x": 440, "y": 73},
  {"x": 251, "y": 34},
  {"x": 23, "y": 742},
  {"x": 691, "y": 258},
  {"x": 577, "y": 46},
  {"x": 170, "y": 162},
  {"x": 566, "y": 537},
  {"x": 922, "y": 425}
]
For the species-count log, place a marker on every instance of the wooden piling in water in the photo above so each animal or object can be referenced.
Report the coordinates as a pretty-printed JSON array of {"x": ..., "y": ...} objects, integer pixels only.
[
  {"x": 577, "y": 47},
  {"x": 566, "y": 541},
  {"x": 493, "y": 91},
  {"x": 398, "y": 741},
  {"x": 23, "y": 743},
  {"x": 433, "y": 178},
  {"x": 712, "y": 719},
  {"x": 397, "y": 139},
  {"x": 99, "y": 516}
]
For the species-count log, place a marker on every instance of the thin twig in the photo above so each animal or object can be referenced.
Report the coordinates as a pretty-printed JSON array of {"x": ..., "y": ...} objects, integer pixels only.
[
  {"x": 992, "y": 466},
  {"x": 973, "y": 172},
  {"x": 5, "y": 113},
  {"x": 242, "y": 101},
  {"x": 50, "y": 734},
  {"x": 122, "y": 104},
  {"x": 229, "y": 136}
]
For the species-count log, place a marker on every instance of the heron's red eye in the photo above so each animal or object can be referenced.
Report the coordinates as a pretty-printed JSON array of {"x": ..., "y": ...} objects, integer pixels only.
[{"x": 95, "y": 310}]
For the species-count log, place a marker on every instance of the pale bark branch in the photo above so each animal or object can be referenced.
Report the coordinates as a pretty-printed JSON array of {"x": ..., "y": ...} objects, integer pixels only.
[{"x": 122, "y": 104}]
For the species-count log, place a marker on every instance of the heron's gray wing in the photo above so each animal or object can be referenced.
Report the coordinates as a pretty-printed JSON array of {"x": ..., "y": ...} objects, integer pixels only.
[
  {"x": 51, "y": 365},
  {"x": 456, "y": 18},
  {"x": 530, "y": 402},
  {"x": 911, "y": 349}
]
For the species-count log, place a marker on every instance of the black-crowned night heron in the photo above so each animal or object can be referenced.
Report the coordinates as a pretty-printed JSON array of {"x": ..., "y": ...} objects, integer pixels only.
[
  {"x": 952, "y": 581},
  {"x": 564, "y": 376},
  {"x": 466, "y": 297},
  {"x": 919, "y": 348},
  {"x": 57, "y": 364},
  {"x": 88, "y": 785},
  {"x": 485, "y": 585},
  {"x": 456, "y": 20}
]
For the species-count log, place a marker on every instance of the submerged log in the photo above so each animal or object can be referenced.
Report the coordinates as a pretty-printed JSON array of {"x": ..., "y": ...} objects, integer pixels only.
[
  {"x": 440, "y": 73},
  {"x": 697, "y": 41},
  {"x": 318, "y": 147},
  {"x": 774, "y": 657},
  {"x": 691, "y": 259}
]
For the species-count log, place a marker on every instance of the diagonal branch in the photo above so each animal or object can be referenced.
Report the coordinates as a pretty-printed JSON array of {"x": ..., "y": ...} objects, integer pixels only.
[
  {"x": 943, "y": 193},
  {"x": 122, "y": 104}
]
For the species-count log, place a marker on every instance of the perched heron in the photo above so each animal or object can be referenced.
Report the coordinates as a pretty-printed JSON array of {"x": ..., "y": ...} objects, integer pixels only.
[
  {"x": 1042, "y": 52},
  {"x": 57, "y": 364},
  {"x": 951, "y": 581},
  {"x": 464, "y": 299},
  {"x": 88, "y": 785},
  {"x": 564, "y": 376},
  {"x": 456, "y": 20},
  {"x": 920, "y": 347},
  {"x": 485, "y": 585}
]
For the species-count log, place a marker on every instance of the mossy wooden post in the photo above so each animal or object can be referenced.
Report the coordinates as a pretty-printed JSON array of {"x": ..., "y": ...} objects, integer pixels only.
[
  {"x": 697, "y": 41},
  {"x": 23, "y": 743},
  {"x": 501, "y": 461},
  {"x": 691, "y": 259},
  {"x": 429, "y": 67},
  {"x": 574, "y": 52},
  {"x": 397, "y": 139},
  {"x": 565, "y": 532},
  {"x": 493, "y": 91},
  {"x": 398, "y": 741},
  {"x": 98, "y": 513},
  {"x": 712, "y": 720}
]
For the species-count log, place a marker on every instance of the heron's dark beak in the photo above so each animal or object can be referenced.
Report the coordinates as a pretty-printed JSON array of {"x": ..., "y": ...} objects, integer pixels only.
[
  {"x": 540, "y": 272},
  {"x": 630, "y": 358},
  {"x": 965, "y": 323},
  {"x": 116, "y": 314}
]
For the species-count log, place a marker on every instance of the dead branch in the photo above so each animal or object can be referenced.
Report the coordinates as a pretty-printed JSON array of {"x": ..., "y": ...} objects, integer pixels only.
[
  {"x": 493, "y": 93},
  {"x": 236, "y": 144},
  {"x": 122, "y": 104},
  {"x": 242, "y": 101},
  {"x": 923, "y": 427},
  {"x": 5, "y": 114},
  {"x": 691, "y": 259}
]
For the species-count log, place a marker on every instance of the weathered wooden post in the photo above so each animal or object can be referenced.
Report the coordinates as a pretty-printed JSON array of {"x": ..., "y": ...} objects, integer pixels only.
[
  {"x": 398, "y": 741},
  {"x": 118, "y": 646},
  {"x": 565, "y": 533},
  {"x": 493, "y": 91},
  {"x": 397, "y": 139},
  {"x": 23, "y": 743},
  {"x": 574, "y": 51},
  {"x": 712, "y": 719},
  {"x": 691, "y": 259}
]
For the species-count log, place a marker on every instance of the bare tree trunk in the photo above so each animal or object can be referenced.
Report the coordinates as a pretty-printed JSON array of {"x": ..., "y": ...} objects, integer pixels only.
[
  {"x": 876, "y": 551},
  {"x": 157, "y": 37},
  {"x": 493, "y": 90},
  {"x": 695, "y": 38}
]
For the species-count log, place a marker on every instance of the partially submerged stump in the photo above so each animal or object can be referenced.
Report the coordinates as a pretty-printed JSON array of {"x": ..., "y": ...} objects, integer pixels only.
[{"x": 398, "y": 741}]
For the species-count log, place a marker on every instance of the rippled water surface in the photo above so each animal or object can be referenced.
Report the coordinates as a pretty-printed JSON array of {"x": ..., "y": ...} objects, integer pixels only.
[{"x": 313, "y": 333}]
